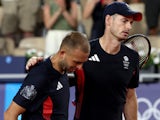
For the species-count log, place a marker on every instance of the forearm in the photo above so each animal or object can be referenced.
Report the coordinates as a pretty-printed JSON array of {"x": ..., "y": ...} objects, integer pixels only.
[
  {"x": 49, "y": 21},
  {"x": 89, "y": 7},
  {"x": 71, "y": 17},
  {"x": 13, "y": 111},
  {"x": 72, "y": 21},
  {"x": 131, "y": 106},
  {"x": 7, "y": 116}
]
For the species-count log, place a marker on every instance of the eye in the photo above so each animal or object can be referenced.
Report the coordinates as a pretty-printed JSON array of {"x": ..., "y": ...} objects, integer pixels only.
[
  {"x": 124, "y": 20},
  {"x": 131, "y": 22},
  {"x": 78, "y": 63}
]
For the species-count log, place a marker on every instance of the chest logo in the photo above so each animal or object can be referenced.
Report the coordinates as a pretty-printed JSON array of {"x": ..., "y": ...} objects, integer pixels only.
[
  {"x": 126, "y": 62},
  {"x": 94, "y": 58},
  {"x": 59, "y": 86}
]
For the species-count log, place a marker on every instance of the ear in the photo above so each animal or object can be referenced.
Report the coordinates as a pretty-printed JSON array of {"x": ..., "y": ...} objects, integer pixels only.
[
  {"x": 107, "y": 19},
  {"x": 62, "y": 53}
]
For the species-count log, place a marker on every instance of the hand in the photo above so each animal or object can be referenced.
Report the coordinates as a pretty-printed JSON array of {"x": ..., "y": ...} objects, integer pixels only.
[
  {"x": 46, "y": 8},
  {"x": 32, "y": 61},
  {"x": 62, "y": 4}
]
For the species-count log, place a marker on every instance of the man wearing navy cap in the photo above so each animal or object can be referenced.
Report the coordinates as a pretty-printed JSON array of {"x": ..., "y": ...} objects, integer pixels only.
[
  {"x": 106, "y": 85},
  {"x": 112, "y": 70}
]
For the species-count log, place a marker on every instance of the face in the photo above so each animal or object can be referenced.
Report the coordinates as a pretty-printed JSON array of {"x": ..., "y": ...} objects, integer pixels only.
[
  {"x": 73, "y": 60},
  {"x": 120, "y": 26}
]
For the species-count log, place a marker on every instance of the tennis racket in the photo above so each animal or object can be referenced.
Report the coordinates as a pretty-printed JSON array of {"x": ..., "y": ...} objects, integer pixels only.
[{"x": 141, "y": 44}]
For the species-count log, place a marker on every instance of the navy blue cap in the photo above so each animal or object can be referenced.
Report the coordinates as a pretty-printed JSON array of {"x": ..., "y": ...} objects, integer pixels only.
[{"x": 121, "y": 8}]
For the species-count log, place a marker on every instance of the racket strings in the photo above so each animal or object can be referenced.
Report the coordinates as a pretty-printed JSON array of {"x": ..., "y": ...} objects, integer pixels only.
[{"x": 141, "y": 45}]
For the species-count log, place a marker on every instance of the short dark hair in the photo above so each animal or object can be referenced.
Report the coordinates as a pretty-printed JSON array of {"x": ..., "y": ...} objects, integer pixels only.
[{"x": 76, "y": 40}]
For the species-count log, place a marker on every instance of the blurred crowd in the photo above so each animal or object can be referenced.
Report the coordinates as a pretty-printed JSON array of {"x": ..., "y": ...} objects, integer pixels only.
[{"x": 45, "y": 19}]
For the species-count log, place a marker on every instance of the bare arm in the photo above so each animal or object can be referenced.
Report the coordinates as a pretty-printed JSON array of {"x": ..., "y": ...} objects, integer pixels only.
[
  {"x": 131, "y": 107},
  {"x": 71, "y": 16},
  {"x": 50, "y": 20},
  {"x": 89, "y": 7},
  {"x": 13, "y": 111}
]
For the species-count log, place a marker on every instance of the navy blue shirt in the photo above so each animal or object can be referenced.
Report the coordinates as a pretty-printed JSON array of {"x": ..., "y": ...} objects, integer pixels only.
[
  {"x": 43, "y": 81},
  {"x": 107, "y": 78}
]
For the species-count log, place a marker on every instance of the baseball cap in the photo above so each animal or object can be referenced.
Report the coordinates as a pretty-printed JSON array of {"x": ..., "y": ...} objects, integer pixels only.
[{"x": 121, "y": 8}]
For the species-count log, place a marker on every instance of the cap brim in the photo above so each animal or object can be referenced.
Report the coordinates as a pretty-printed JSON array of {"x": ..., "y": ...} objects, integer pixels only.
[{"x": 137, "y": 16}]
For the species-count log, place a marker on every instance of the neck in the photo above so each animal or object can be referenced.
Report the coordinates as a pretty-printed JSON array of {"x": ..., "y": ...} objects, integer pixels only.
[
  {"x": 110, "y": 45},
  {"x": 55, "y": 63}
]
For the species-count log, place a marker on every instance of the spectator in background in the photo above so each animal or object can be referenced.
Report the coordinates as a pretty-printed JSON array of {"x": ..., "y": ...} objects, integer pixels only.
[
  {"x": 60, "y": 14},
  {"x": 94, "y": 9},
  {"x": 19, "y": 15},
  {"x": 60, "y": 17},
  {"x": 152, "y": 13}
]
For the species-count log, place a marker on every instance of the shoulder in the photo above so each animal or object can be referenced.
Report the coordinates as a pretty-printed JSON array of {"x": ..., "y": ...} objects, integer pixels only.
[
  {"x": 132, "y": 54},
  {"x": 94, "y": 42},
  {"x": 129, "y": 50},
  {"x": 38, "y": 77},
  {"x": 42, "y": 69}
]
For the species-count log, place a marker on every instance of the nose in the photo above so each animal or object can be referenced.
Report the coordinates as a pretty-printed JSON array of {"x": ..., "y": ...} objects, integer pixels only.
[{"x": 129, "y": 25}]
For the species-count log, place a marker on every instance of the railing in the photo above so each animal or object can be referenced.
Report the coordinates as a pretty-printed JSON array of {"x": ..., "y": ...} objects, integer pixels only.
[
  {"x": 17, "y": 77},
  {"x": 148, "y": 75}
]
